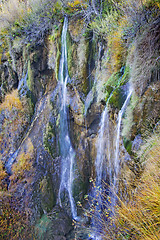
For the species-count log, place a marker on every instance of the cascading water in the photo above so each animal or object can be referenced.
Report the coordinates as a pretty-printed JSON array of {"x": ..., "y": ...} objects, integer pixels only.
[
  {"x": 66, "y": 149},
  {"x": 116, "y": 159},
  {"x": 104, "y": 155},
  {"x": 101, "y": 144}
]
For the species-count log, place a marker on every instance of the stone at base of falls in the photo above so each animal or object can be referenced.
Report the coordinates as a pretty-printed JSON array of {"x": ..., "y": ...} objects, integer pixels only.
[{"x": 53, "y": 226}]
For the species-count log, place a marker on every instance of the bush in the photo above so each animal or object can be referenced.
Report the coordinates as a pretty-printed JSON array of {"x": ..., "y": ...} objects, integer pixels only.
[
  {"x": 14, "y": 113},
  {"x": 24, "y": 162},
  {"x": 14, "y": 223}
]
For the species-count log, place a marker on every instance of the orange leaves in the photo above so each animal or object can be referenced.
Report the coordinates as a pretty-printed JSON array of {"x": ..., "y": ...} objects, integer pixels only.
[{"x": 142, "y": 212}]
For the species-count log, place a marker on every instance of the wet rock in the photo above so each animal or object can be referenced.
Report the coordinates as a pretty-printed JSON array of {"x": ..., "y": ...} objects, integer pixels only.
[
  {"x": 55, "y": 225},
  {"x": 137, "y": 142}
]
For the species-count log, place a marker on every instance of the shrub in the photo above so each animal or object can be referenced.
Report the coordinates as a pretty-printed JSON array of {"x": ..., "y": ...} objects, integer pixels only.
[
  {"x": 24, "y": 162},
  {"x": 14, "y": 223},
  {"x": 15, "y": 117},
  {"x": 12, "y": 101},
  {"x": 144, "y": 60}
]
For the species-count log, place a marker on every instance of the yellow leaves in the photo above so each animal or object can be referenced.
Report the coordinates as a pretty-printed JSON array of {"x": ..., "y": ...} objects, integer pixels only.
[
  {"x": 15, "y": 115},
  {"x": 76, "y": 4},
  {"x": 116, "y": 46},
  {"x": 23, "y": 163},
  {"x": 11, "y": 100}
]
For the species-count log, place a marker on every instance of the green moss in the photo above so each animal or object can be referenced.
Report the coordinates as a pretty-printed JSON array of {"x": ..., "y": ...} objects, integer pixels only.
[
  {"x": 117, "y": 98},
  {"x": 113, "y": 80},
  {"x": 30, "y": 76},
  {"x": 58, "y": 56},
  {"x": 49, "y": 139},
  {"x": 70, "y": 55},
  {"x": 42, "y": 227},
  {"x": 48, "y": 199},
  {"x": 113, "y": 87},
  {"x": 128, "y": 145}
]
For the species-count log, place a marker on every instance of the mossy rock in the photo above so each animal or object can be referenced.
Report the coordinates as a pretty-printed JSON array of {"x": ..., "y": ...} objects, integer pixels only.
[
  {"x": 71, "y": 55},
  {"x": 117, "y": 98},
  {"x": 128, "y": 145},
  {"x": 49, "y": 139},
  {"x": 48, "y": 198},
  {"x": 53, "y": 226}
]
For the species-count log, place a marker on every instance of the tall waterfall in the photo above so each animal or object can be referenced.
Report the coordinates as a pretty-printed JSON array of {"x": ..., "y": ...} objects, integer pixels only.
[{"x": 66, "y": 149}]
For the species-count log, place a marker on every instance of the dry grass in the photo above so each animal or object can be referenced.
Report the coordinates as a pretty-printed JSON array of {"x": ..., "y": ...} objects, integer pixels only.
[
  {"x": 11, "y": 11},
  {"x": 140, "y": 217}
]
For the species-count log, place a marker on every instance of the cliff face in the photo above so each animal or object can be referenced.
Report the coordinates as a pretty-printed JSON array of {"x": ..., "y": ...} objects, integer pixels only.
[{"x": 30, "y": 127}]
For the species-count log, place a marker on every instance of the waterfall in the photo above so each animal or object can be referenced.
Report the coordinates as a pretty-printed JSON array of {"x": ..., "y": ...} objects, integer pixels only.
[
  {"x": 104, "y": 153},
  {"x": 116, "y": 159},
  {"x": 101, "y": 147},
  {"x": 66, "y": 149},
  {"x": 10, "y": 162}
]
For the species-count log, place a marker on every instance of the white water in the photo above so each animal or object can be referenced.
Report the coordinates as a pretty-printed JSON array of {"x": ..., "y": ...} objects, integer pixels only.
[
  {"x": 101, "y": 147},
  {"x": 104, "y": 154},
  {"x": 10, "y": 161},
  {"x": 116, "y": 159},
  {"x": 22, "y": 86},
  {"x": 67, "y": 152}
]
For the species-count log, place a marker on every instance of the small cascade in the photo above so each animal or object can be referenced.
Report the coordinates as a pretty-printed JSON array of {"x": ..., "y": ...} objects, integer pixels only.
[
  {"x": 116, "y": 159},
  {"x": 103, "y": 147},
  {"x": 66, "y": 149},
  {"x": 10, "y": 162},
  {"x": 101, "y": 144},
  {"x": 104, "y": 156}
]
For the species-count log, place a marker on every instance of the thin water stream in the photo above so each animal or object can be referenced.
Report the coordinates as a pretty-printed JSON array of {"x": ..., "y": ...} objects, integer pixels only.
[
  {"x": 104, "y": 155},
  {"x": 66, "y": 149}
]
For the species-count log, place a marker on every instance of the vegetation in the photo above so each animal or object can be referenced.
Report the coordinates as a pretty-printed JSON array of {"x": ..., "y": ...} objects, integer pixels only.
[
  {"x": 14, "y": 223},
  {"x": 15, "y": 117},
  {"x": 135, "y": 217},
  {"x": 140, "y": 217},
  {"x": 129, "y": 33}
]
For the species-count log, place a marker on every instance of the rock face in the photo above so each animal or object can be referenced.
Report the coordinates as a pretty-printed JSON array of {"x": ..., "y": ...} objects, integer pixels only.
[{"x": 87, "y": 94}]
